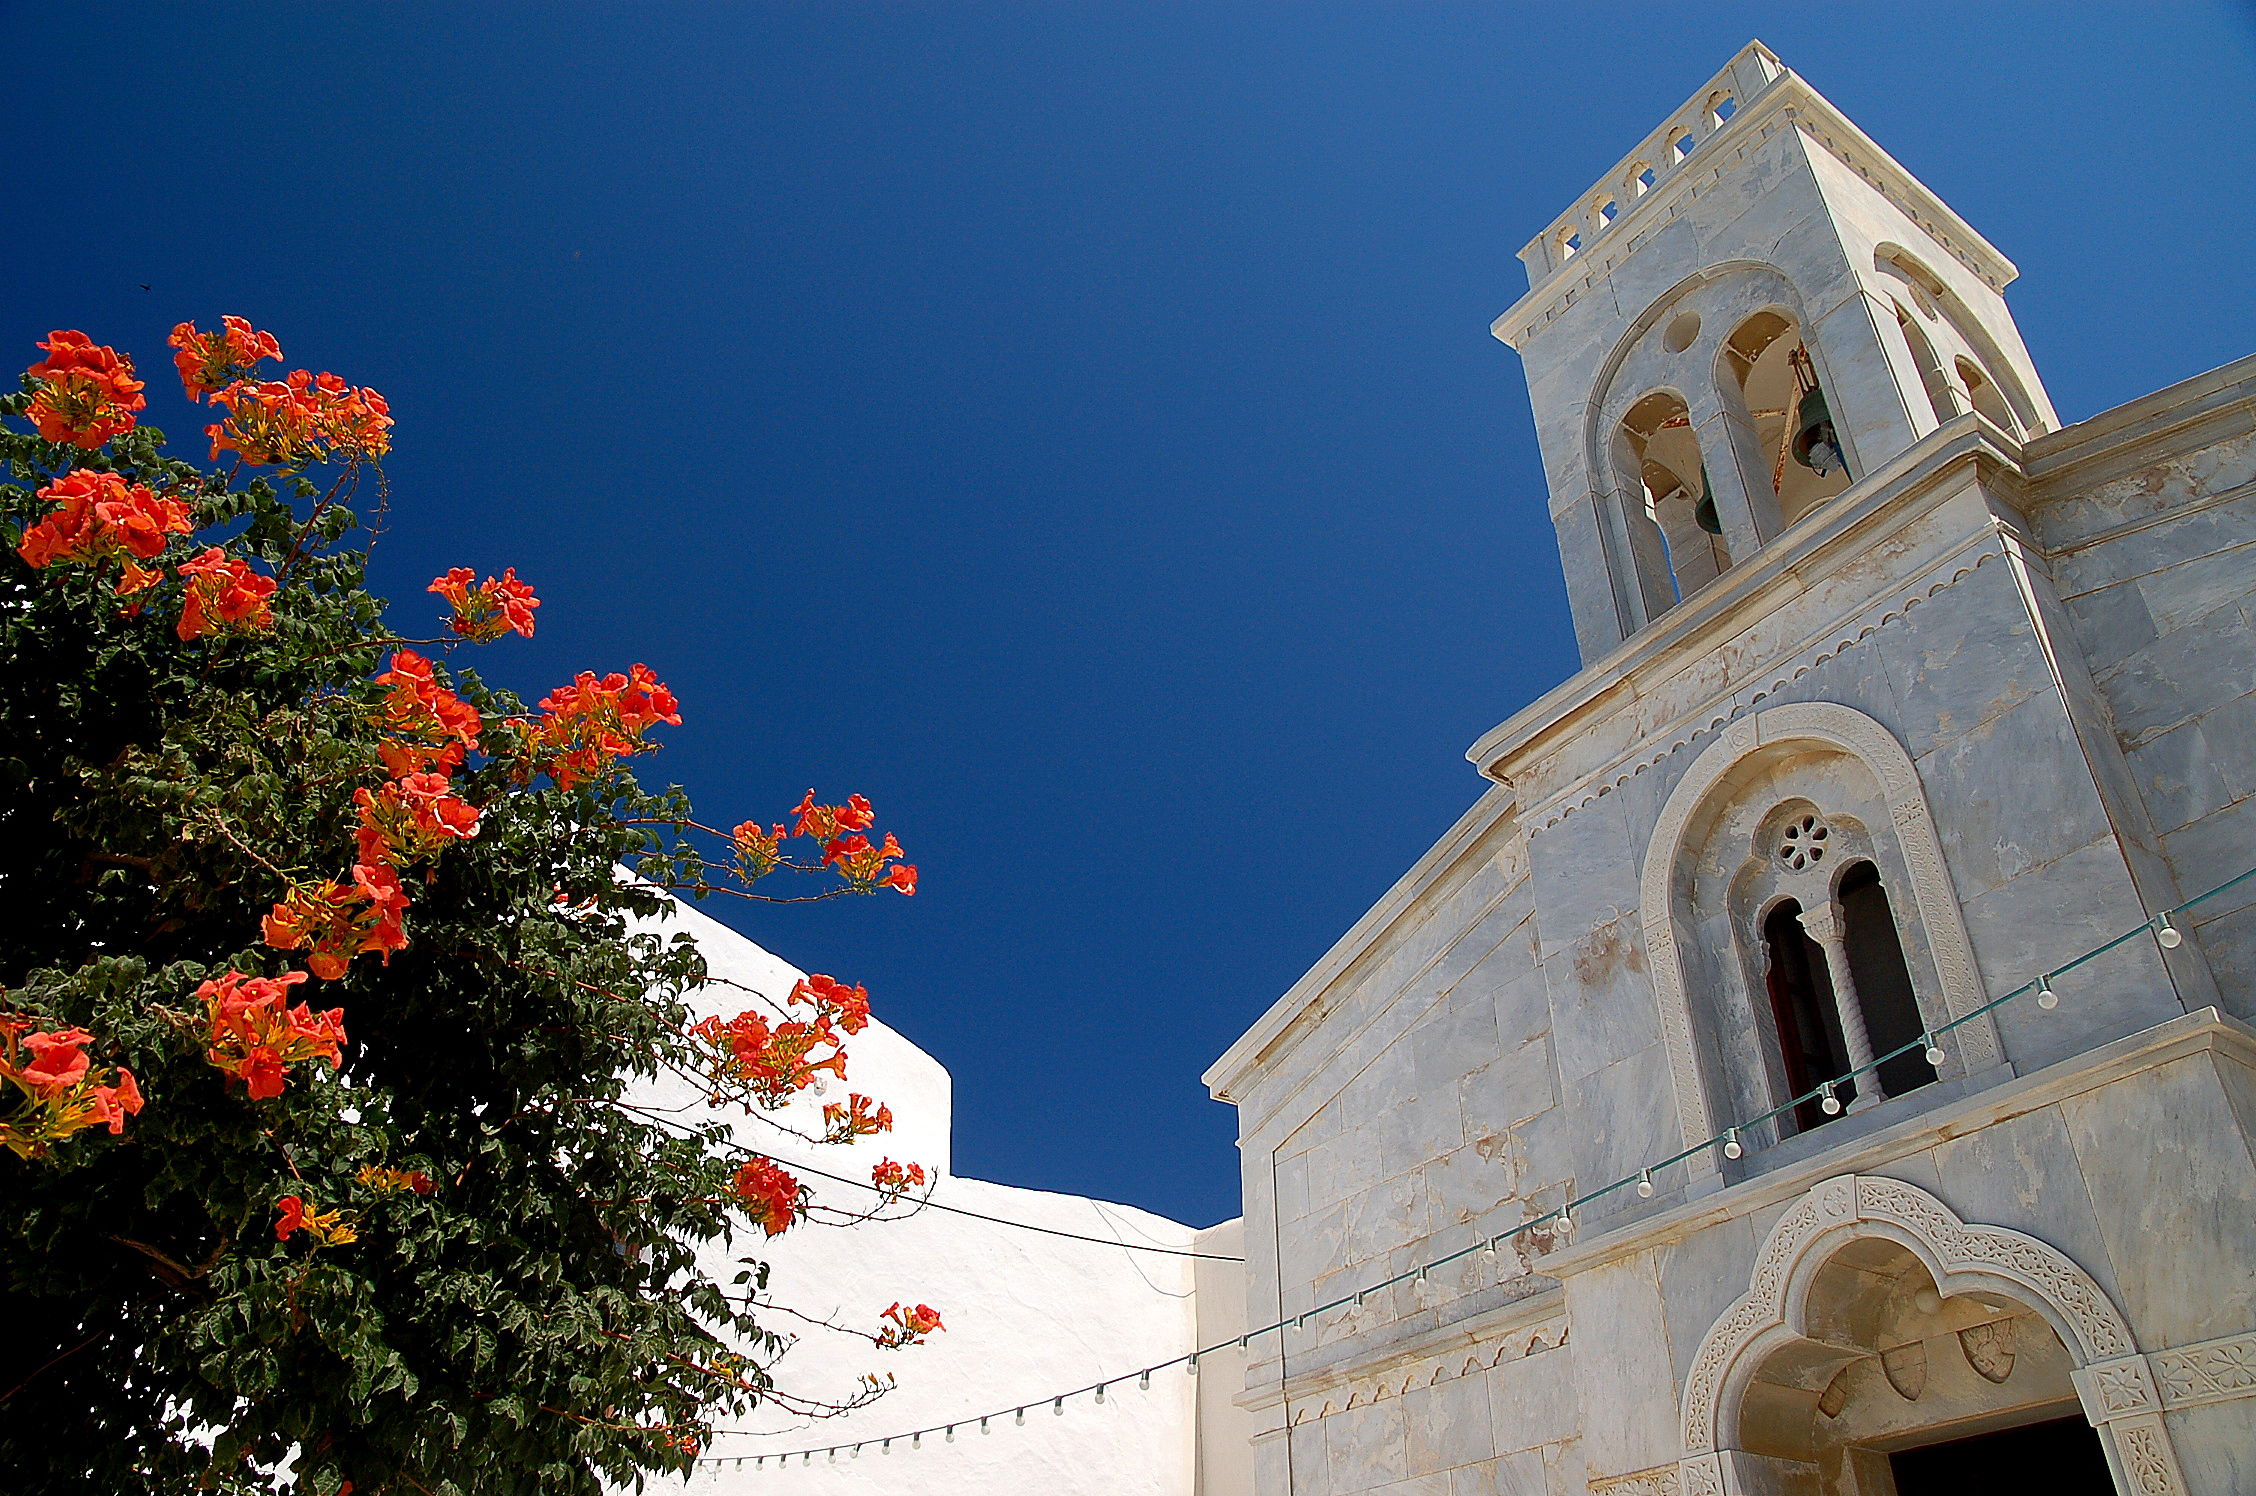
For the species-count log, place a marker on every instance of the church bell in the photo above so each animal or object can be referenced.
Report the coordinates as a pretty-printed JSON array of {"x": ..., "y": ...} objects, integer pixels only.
[
  {"x": 1704, "y": 513},
  {"x": 1816, "y": 446}
]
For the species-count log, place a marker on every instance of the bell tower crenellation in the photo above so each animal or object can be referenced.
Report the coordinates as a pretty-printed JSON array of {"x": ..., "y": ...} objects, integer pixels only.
[{"x": 1750, "y": 311}]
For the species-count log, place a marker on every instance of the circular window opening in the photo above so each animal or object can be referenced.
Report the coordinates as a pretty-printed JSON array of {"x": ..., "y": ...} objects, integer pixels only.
[
  {"x": 1802, "y": 843},
  {"x": 1682, "y": 331}
]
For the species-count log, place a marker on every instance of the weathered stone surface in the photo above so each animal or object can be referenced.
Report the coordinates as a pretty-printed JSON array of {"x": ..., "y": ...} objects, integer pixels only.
[{"x": 2009, "y": 667}]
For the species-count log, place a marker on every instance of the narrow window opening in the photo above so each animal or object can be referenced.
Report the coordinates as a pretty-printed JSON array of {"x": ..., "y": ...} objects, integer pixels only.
[
  {"x": 1608, "y": 211},
  {"x": 1570, "y": 246},
  {"x": 1986, "y": 398},
  {"x": 1931, "y": 376},
  {"x": 1642, "y": 180},
  {"x": 1723, "y": 108},
  {"x": 1882, "y": 979},
  {"x": 1801, "y": 1007},
  {"x": 1676, "y": 493},
  {"x": 1685, "y": 145}
]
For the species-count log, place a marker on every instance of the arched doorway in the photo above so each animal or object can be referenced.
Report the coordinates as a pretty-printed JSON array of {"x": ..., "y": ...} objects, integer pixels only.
[{"x": 1882, "y": 1340}]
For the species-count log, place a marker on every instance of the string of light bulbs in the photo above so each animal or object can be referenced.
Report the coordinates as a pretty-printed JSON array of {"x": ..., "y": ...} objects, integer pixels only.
[{"x": 1727, "y": 1142}]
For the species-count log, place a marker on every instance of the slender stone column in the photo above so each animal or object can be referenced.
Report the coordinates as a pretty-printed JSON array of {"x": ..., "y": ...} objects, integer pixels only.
[
  {"x": 1824, "y": 927},
  {"x": 1749, "y": 515}
]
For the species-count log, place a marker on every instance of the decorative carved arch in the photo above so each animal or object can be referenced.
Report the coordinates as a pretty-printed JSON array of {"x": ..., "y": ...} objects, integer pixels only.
[
  {"x": 1607, "y": 401},
  {"x": 1843, "y": 729},
  {"x": 2114, "y": 1381}
]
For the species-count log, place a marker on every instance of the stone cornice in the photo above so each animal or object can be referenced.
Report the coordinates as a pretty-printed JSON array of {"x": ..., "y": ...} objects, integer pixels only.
[
  {"x": 1301, "y": 1001},
  {"x": 1889, "y": 496},
  {"x": 1389, "y": 1367},
  {"x": 2191, "y": 413},
  {"x": 2202, "y": 1031},
  {"x": 1787, "y": 101}
]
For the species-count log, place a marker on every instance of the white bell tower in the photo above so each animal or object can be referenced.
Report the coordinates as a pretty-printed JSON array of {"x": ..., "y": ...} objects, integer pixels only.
[{"x": 1754, "y": 310}]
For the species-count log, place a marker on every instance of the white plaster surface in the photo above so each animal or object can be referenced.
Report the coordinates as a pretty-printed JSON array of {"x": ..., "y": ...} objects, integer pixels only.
[{"x": 1028, "y": 1316}]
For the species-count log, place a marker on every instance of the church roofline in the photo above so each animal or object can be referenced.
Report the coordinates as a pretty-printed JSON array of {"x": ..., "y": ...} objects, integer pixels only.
[
  {"x": 1765, "y": 93},
  {"x": 1223, "y": 1076}
]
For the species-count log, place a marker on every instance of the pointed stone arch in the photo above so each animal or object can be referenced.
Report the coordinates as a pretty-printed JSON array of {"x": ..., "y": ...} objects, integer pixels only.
[
  {"x": 1842, "y": 729},
  {"x": 2113, "y": 1381}
]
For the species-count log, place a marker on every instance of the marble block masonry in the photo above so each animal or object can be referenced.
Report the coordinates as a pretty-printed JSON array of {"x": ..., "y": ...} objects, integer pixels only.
[{"x": 1896, "y": 694}]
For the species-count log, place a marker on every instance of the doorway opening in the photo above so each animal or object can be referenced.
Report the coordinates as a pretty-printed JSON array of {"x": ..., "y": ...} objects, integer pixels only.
[{"x": 2060, "y": 1457}]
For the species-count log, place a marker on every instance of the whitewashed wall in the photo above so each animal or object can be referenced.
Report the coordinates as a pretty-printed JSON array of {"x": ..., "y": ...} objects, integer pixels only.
[{"x": 1028, "y": 1315}]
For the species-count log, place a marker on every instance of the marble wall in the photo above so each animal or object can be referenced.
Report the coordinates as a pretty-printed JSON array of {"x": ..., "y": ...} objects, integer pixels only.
[{"x": 2054, "y": 643}]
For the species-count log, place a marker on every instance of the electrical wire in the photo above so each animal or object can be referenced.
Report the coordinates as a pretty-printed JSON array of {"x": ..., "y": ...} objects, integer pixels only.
[
  {"x": 2159, "y": 925},
  {"x": 1101, "y": 1241}
]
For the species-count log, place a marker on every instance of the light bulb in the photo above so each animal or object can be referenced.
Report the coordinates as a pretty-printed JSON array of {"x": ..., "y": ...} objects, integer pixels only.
[
  {"x": 1058, "y": 1407},
  {"x": 2167, "y": 933},
  {"x": 886, "y": 1447},
  {"x": 1021, "y": 1416},
  {"x": 951, "y": 1433},
  {"x": 1143, "y": 1383},
  {"x": 2047, "y": 999},
  {"x": 1566, "y": 1219},
  {"x": 1731, "y": 1148},
  {"x": 916, "y": 1440},
  {"x": 1644, "y": 1184},
  {"x": 1190, "y": 1366},
  {"x": 1935, "y": 1054},
  {"x": 1830, "y": 1104},
  {"x": 1100, "y": 1392},
  {"x": 983, "y": 1425}
]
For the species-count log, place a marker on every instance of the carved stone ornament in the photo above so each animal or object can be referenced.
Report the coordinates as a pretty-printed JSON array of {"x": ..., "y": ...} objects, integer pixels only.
[
  {"x": 1989, "y": 1348},
  {"x": 1661, "y": 1480},
  {"x": 2115, "y": 1383},
  {"x": 2214, "y": 1371},
  {"x": 1906, "y": 1368}
]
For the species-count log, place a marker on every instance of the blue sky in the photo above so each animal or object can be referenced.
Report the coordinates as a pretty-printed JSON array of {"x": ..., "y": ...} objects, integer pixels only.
[{"x": 1073, "y": 426}]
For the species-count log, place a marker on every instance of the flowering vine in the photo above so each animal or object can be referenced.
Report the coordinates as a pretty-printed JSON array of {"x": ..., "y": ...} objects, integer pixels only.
[
  {"x": 342, "y": 855},
  {"x": 85, "y": 392},
  {"x": 54, "y": 1088},
  {"x": 908, "y": 1326},
  {"x": 98, "y": 518},
  {"x": 484, "y": 611},
  {"x": 254, "y": 1030}
]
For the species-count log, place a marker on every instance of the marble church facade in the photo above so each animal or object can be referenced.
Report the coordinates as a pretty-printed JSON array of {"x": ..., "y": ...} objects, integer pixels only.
[{"x": 1896, "y": 695}]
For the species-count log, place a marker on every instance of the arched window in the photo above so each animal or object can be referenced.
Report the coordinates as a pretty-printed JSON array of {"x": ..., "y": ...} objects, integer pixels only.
[
  {"x": 1931, "y": 375},
  {"x": 1986, "y": 398},
  {"x": 1996, "y": 388},
  {"x": 1882, "y": 978},
  {"x": 1803, "y": 1012},
  {"x": 1794, "y": 426},
  {"x": 1673, "y": 485}
]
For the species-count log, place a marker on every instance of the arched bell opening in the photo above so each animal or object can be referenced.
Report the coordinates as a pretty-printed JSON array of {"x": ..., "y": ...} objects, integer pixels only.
[
  {"x": 1672, "y": 481},
  {"x": 1961, "y": 346},
  {"x": 1891, "y": 1388},
  {"x": 1941, "y": 398},
  {"x": 1985, "y": 397},
  {"x": 1776, "y": 380}
]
